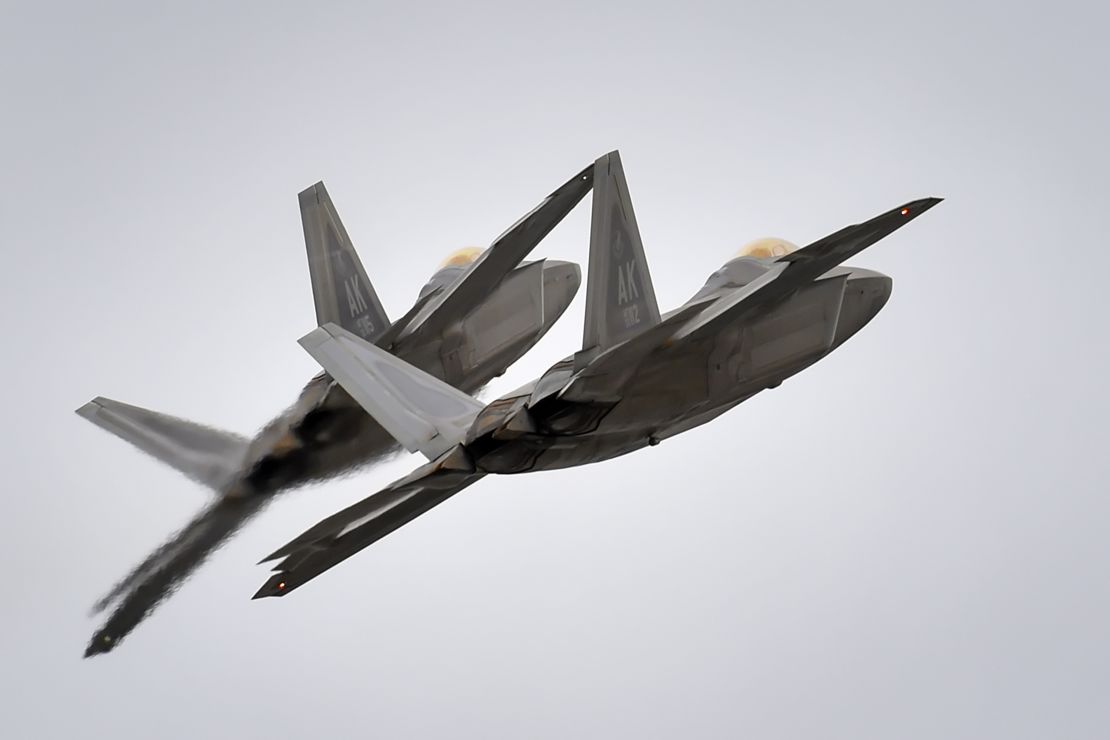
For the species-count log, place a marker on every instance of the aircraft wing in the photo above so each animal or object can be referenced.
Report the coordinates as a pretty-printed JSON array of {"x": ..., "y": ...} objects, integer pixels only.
[
  {"x": 501, "y": 258},
  {"x": 802, "y": 267},
  {"x": 824, "y": 254},
  {"x": 341, "y": 535}
]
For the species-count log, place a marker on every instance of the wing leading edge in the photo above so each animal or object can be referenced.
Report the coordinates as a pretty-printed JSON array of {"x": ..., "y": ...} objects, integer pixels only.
[
  {"x": 792, "y": 271},
  {"x": 503, "y": 256},
  {"x": 342, "y": 535}
]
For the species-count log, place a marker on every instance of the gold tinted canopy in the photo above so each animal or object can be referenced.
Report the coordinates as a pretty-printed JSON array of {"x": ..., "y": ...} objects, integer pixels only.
[
  {"x": 769, "y": 247},
  {"x": 461, "y": 257}
]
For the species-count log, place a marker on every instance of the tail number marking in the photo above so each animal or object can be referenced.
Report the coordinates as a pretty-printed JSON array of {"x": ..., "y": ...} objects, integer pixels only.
[
  {"x": 628, "y": 292},
  {"x": 355, "y": 302}
]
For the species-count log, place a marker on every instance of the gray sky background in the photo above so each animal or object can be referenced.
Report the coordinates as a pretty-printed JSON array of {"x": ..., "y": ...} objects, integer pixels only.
[{"x": 908, "y": 540}]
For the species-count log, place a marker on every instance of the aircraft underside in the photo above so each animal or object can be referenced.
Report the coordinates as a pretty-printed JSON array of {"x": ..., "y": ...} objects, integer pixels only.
[
  {"x": 680, "y": 389},
  {"x": 640, "y": 376}
]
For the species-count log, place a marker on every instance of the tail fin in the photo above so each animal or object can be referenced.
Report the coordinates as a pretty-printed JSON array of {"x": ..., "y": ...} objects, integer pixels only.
[
  {"x": 343, "y": 293},
  {"x": 206, "y": 455},
  {"x": 620, "y": 299},
  {"x": 421, "y": 412}
]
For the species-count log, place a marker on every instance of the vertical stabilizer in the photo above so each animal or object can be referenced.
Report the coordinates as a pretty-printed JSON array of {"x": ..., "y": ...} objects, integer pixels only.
[
  {"x": 343, "y": 294},
  {"x": 620, "y": 299}
]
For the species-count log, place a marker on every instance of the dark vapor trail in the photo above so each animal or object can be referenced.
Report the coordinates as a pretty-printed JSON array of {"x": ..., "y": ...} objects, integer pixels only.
[{"x": 160, "y": 574}]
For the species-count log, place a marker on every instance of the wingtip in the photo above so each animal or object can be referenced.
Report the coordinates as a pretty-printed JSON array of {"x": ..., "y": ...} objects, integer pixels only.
[
  {"x": 101, "y": 643},
  {"x": 917, "y": 207},
  {"x": 277, "y": 585},
  {"x": 586, "y": 175}
]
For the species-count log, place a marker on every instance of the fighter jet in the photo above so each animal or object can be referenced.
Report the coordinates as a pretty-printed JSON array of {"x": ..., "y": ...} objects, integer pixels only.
[
  {"x": 479, "y": 313},
  {"x": 639, "y": 378}
]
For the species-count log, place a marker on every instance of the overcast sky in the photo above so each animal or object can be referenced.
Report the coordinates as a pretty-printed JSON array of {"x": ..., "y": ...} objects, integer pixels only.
[{"x": 907, "y": 540}]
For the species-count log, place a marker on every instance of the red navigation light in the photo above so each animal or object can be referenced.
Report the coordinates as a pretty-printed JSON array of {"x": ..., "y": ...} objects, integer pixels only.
[
  {"x": 281, "y": 585},
  {"x": 905, "y": 211}
]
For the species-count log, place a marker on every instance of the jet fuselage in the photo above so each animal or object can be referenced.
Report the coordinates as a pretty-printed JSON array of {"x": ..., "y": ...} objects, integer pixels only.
[
  {"x": 683, "y": 384},
  {"x": 480, "y": 312},
  {"x": 641, "y": 376}
]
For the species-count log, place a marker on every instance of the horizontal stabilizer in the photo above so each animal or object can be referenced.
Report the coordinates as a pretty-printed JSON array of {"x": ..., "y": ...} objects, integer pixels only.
[
  {"x": 206, "y": 455},
  {"x": 503, "y": 256},
  {"x": 421, "y": 412},
  {"x": 341, "y": 535}
]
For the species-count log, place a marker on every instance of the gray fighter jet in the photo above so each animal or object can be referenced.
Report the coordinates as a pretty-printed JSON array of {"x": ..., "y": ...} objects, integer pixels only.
[
  {"x": 479, "y": 313},
  {"x": 640, "y": 377}
]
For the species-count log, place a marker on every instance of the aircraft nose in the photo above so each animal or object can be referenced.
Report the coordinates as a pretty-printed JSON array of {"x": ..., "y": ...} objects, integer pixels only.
[
  {"x": 560, "y": 284},
  {"x": 865, "y": 295}
]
